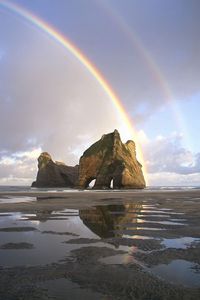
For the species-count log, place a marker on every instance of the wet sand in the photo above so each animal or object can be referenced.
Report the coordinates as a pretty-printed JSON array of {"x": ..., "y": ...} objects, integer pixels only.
[
  {"x": 82, "y": 199},
  {"x": 101, "y": 245}
]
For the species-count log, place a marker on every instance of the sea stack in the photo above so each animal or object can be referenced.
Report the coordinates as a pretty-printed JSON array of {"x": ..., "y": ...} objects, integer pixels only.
[
  {"x": 109, "y": 159},
  {"x": 54, "y": 174}
]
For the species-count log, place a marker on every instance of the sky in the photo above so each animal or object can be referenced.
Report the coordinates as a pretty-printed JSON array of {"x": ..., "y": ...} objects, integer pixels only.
[{"x": 149, "y": 53}]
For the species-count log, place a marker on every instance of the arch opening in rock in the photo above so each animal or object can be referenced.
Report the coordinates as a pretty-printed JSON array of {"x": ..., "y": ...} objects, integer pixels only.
[
  {"x": 111, "y": 183},
  {"x": 90, "y": 183}
]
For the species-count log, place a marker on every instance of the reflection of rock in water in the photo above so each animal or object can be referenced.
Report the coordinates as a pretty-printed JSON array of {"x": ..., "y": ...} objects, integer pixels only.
[
  {"x": 103, "y": 220},
  {"x": 43, "y": 215}
]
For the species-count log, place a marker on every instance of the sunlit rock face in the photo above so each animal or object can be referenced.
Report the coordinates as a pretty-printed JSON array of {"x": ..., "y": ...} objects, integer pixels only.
[
  {"x": 109, "y": 159},
  {"x": 54, "y": 174}
]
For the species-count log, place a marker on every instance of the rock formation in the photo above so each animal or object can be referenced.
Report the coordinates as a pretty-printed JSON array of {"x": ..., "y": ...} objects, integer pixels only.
[
  {"x": 54, "y": 174},
  {"x": 109, "y": 159},
  {"x": 106, "y": 160}
]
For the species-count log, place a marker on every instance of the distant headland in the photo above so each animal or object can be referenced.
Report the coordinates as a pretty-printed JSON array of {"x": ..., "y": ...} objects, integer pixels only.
[{"x": 105, "y": 161}]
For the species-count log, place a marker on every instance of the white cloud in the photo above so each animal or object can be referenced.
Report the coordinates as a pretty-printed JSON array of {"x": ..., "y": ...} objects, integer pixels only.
[
  {"x": 32, "y": 154},
  {"x": 19, "y": 168},
  {"x": 54, "y": 102},
  {"x": 174, "y": 179},
  {"x": 49, "y": 102},
  {"x": 168, "y": 162}
]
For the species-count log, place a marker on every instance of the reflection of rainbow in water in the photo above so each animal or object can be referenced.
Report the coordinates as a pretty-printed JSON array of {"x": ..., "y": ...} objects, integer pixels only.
[{"x": 66, "y": 43}]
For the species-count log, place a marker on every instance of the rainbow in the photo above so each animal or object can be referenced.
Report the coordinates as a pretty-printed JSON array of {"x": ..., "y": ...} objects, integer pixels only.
[
  {"x": 92, "y": 69},
  {"x": 153, "y": 67}
]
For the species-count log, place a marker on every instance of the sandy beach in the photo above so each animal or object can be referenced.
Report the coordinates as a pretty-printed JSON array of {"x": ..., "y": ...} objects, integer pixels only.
[{"x": 100, "y": 244}]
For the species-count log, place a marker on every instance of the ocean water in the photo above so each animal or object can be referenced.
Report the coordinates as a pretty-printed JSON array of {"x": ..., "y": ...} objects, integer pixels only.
[{"x": 8, "y": 188}]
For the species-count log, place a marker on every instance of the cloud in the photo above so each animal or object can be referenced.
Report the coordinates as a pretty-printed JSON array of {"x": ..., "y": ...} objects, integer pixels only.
[
  {"x": 174, "y": 179},
  {"x": 49, "y": 101},
  {"x": 47, "y": 98},
  {"x": 167, "y": 160},
  {"x": 19, "y": 167},
  {"x": 168, "y": 163},
  {"x": 156, "y": 68}
]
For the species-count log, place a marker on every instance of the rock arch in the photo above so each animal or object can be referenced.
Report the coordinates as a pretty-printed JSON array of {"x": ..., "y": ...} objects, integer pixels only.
[{"x": 110, "y": 159}]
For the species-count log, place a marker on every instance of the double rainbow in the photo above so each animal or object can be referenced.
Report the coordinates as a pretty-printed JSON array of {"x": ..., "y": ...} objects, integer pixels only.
[{"x": 92, "y": 69}]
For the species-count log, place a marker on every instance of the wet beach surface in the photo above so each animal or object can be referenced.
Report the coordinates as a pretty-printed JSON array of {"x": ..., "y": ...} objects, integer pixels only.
[{"x": 100, "y": 245}]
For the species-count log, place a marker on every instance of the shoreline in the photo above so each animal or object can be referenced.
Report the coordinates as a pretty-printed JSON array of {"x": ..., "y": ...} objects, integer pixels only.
[
  {"x": 82, "y": 199},
  {"x": 71, "y": 192}
]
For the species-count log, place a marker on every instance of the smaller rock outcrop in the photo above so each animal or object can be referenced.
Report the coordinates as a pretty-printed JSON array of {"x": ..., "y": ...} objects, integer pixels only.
[
  {"x": 109, "y": 159},
  {"x": 54, "y": 174}
]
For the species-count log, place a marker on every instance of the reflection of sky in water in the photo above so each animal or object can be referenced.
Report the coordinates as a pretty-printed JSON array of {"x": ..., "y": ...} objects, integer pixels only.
[
  {"x": 9, "y": 216},
  {"x": 160, "y": 212},
  {"x": 144, "y": 228},
  {"x": 93, "y": 223},
  {"x": 179, "y": 243},
  {"x": 48, "y": 247},
  {"x": 154, "y": 216},
  {"x": 72, "y": 224},
  {"x": 141, "y": 237},
  {"x": 17, "y": 199},
  {"x": 160, "y": 222},
  {"x": 179, "y": 272}
]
